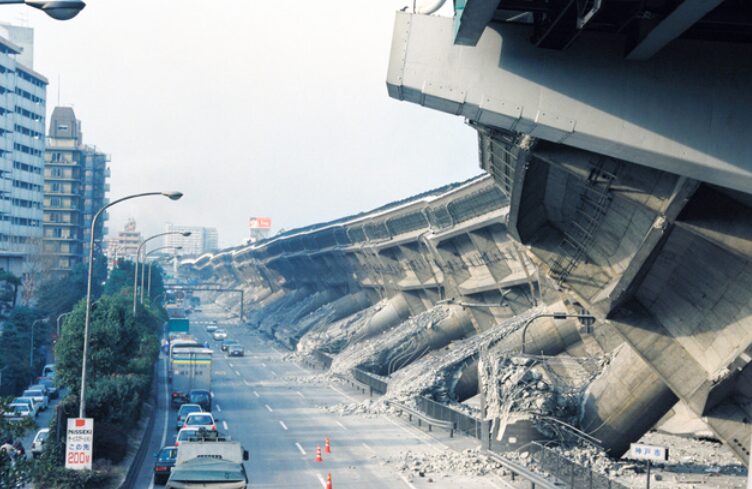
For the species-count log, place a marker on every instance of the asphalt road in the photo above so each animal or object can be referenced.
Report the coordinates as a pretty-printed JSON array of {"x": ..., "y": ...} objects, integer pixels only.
[{"x": 276, "y": 409}]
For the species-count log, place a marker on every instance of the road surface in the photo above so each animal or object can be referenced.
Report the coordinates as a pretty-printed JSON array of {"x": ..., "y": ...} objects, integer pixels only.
[{"x": 277, "y": 409}]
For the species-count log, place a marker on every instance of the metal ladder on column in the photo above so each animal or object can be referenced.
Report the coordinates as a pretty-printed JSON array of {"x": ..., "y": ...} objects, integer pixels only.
[{"x": 595, "y": 199}]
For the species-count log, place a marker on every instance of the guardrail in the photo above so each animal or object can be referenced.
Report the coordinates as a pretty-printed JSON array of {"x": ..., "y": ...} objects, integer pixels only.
[
  {"x": 463, "y": 423},
  {"x": 568, "y": 471},
  {"x": 536, "y": 480},
  {"x": 373, "y": 382},
  {"x": 422, "y": 418},
  {"x": 323, "y": 358},
  {"x": 138, "y": 459}
]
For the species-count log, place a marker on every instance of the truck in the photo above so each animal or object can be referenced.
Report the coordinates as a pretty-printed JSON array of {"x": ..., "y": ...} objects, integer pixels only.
[
  {"x": 209, "y": 460},
  {"x": 190, "y": 368}
]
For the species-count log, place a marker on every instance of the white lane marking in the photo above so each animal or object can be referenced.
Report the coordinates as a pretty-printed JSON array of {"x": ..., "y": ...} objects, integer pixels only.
[
  {"x": 299, "y": 393},
  {"x": 300, "y": 448},
  {"x": 219, "y": 408},
  {"x": 321, "y": 479},
  {"x": 342, "y": 393},
  {"x": 284, "y": 426},
  {"x": 269, "y": 408},
  {"x": 247, "y": 383},
  {"x": 238, "y": 373},
  {"x": 256, "y": 394},
  {"x": 409, "y": 484},
  {"x": 341, "y": 425},
  {"x": 231, "y": 365},
  {"x": 224, "y": 425},
  {"x": 263, "y": 364},
  {"x": 273, "y": 373},
  {"x": 368, "y": 447},
  {"x": 212, "y": 394}
]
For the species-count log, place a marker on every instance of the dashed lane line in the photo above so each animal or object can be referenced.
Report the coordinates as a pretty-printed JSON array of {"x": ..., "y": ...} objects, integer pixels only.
[
  {"x": 343, "y": 393},
  {"x": 219, "y": 408},
  {"x": 247, "y": 383},
  {"x": 256, "y": 394},
  {"x": 269, "y": 408},
  {"x": 303, "y": 452},
  {"x": 368, "y": 447},
  {"x": 284, "y": 426},
  {"x": 321, "y": 479},
  {"x": 299, "y": 393},
  {"x": 224, "y": 425},
  {"x": 263, "y": 364},
  {"x": 341, "y": 425}
]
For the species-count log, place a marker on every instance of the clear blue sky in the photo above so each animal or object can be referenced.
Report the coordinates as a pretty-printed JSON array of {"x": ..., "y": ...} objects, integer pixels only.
[{"x": 250, "y": 108}]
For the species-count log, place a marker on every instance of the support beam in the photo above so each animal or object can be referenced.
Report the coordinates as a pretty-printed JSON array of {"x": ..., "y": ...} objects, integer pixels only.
[
  {"x": 471, "y": 18},
  {"x": 684, "y": 16}
]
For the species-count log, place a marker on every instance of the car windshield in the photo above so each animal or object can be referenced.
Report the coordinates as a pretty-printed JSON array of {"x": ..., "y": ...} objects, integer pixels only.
[
  {"x": 187, "y": 409},
  {"x": 42, "y": 435},
  {"x": 199, "y": 396},
  {"x": 167, "y": 454},
  {"x": 199, "y": 420},
  {"x": 185, "y": 434}
]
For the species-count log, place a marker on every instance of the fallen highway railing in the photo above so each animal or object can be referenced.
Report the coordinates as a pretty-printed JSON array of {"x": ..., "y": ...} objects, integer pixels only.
[{"x": 422, "y": 418}]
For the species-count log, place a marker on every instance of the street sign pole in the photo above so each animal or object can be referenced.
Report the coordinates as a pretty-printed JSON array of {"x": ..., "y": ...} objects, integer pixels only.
[{"x": 648, "y": 483}]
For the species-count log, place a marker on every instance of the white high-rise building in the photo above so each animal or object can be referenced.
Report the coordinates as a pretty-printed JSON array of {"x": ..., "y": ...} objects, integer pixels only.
[
  {"x": 22, "y": 126},
  {"x": 202, "y": 240}
]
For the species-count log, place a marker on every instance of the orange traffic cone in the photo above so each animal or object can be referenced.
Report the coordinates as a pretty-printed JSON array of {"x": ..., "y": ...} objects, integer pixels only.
[
  {"x": 327, "y": 446},
  {"x": 329, "y": 481},
  {"x": 318, "y": 454}
]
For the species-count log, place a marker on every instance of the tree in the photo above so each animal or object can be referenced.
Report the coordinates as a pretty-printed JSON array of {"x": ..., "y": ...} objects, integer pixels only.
[
  {"x": 121, "y": 277},
  {"x": 15, "y": 342},
  {"x": 14, "y": 282}
]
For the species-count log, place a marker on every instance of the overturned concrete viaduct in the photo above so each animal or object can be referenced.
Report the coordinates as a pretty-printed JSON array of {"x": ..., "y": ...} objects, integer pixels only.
[{"x": 629, "y": 184}]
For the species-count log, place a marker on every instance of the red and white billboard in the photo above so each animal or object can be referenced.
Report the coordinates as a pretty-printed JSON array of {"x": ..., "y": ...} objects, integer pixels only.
[
  {"x": 260, "y": 223},
  {"x": 78, "y": 444}
]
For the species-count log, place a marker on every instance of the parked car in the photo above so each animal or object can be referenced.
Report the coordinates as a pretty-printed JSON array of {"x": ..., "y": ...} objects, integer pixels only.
[
  {"x": 211, "y": 327},
  {"x": 49, "y": 383},
  {"x": 30, "y": 401},
  {"x": 184, "y": 434},
  {"x": 202, "y": 398},
  {"x": 38, "y": 444},
  {"x": 163, "y": 464},
  {"x": 227, "y": 343},
  {"x": 39, "y": 396},
  {"x": 200, "y": 420},
  {"x": 49, "y": 370},
  {"x": 40, "y": 387},
  {"x": 236, "y": 350},
  {"x": 219, "y": 334},
  {"x": 18, "y": 411},
  {"x": 184, "y": 411}
]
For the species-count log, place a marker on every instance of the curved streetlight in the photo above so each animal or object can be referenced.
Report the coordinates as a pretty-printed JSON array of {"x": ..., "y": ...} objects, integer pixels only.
[
  {"x": 138, "y": 257},
  {"x": 169, "y": 195},
  {"x": 57, "y": 9},
  {"x": 176, "y": 248}
]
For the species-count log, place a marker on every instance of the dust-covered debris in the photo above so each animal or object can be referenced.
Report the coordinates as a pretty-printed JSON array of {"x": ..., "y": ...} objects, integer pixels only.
[{"x": 470, "y": 462}]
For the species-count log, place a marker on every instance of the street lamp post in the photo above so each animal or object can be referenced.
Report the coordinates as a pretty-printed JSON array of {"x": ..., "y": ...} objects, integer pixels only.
[
  {"x": 555, "y": 315},
  {"x": 169, "y": 195},
  {"x": 148, "y": 294},
  {"x": 61, "y": 316},
  {"x": 57, "y": 9},
  {"x": 138, "y": 257},
  {"x": 31, "y": 347}
]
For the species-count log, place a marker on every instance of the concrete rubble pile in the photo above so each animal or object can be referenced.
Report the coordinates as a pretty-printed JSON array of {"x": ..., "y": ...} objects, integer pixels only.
[
  {"x": 387, "y": 350},
  {"x": 470, "y": 462},
  {"x": 336, "y": 336}
]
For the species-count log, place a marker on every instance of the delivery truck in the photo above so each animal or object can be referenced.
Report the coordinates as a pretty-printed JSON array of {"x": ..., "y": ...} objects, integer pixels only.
[{"x": 190, "y": 368}]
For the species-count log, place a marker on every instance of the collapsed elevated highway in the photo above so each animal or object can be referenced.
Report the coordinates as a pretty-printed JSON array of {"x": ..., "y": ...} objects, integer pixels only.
[{"x": 619, "y": 134}]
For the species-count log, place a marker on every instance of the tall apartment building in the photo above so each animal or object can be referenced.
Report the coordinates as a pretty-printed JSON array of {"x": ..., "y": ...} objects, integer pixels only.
[
  {"x": 125, "y": 245},
  {"x": 75, "y": 187},
  {"x": 23, "y": 94},
  {"x": 202, "y": 240}
]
